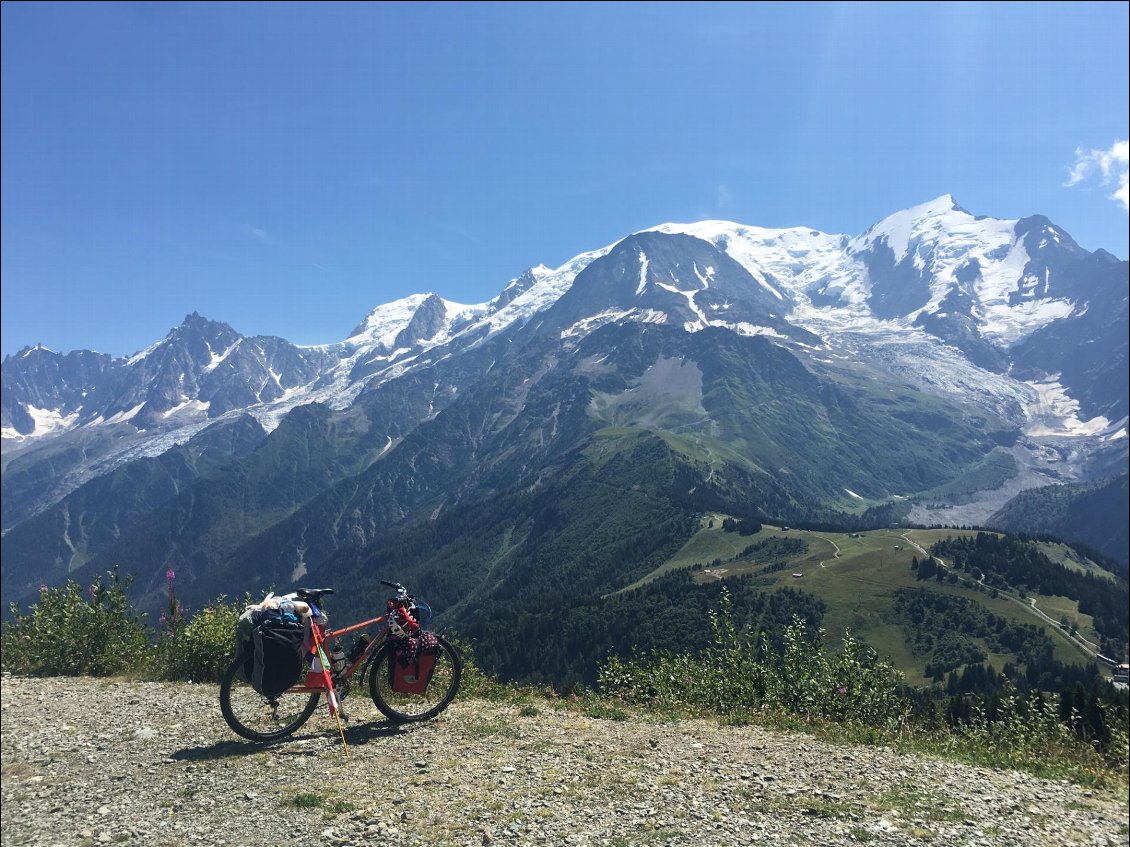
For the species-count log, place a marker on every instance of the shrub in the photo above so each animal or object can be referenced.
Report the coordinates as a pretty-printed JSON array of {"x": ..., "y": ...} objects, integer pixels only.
[
  {"x": 738, "y": 673},
  {"x": 737, "y": 677},
  {"x": 475, "y": 682},
  {"x": 203, "y": 648},
  {"x": 70, "y": 632},
  {"x": 97, "y": 632}
]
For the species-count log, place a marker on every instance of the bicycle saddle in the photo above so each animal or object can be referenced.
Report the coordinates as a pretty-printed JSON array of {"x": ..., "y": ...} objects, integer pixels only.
[{"x": 311, "y": 595}]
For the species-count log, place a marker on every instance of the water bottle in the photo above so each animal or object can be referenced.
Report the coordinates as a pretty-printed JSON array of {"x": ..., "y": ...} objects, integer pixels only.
[
  {"x": 358, "y": 647},
  {"x": 337, "y": 660}
]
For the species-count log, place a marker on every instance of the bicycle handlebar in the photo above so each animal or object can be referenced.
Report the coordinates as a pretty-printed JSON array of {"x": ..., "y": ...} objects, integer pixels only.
[{"x": 401, "y": 591}]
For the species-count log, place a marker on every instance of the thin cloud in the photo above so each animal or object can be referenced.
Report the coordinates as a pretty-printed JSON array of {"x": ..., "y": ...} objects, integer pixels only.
[
  {"x": 256, "y": 233},
  {"x": 460, "y": 232},
  {"x": 1110, "y": 166},
  {"x": 724, "y": 197}
]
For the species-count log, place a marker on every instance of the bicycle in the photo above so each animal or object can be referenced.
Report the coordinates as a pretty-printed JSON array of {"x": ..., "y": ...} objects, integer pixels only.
[{"x": 262, "y": 718}]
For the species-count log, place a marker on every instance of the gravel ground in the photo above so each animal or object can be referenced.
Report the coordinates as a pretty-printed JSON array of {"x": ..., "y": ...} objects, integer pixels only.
[{"x": 89, "y": 762}]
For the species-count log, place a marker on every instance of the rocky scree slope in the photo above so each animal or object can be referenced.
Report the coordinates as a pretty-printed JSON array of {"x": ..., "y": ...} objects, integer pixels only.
[{"x": 91, "y": 761}]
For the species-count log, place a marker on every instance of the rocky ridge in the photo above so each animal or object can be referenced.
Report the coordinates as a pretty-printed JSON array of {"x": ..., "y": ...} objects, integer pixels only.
[{"x": 89, "y": 762}]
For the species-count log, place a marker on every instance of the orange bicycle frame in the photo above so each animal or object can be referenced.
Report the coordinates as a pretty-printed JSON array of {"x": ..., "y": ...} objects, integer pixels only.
[{"x": 318, "y": 681}]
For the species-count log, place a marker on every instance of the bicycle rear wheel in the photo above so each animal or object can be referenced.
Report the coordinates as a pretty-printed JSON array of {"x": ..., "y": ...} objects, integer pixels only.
[
  {"x": 399, "y": 707},
  {"x": 261, "y": 718}
]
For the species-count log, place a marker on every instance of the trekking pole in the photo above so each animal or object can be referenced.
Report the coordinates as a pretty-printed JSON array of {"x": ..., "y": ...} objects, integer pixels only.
[{"x": 331, "y": 697}]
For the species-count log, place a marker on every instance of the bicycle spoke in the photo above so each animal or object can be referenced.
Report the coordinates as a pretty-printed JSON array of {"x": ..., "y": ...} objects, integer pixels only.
[
  {"x": 403, "y": 707},
  {"x": 259, "y": 718}
]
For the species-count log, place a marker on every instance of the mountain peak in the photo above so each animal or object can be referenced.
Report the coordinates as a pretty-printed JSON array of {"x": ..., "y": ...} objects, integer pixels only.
[
  {"x": 673, "y": 278},
  {"x": 194, "y": 319},
  {"x": 197, "y": 323},
  {"x": 520, "y": 285},
  {"x": 940, "y": 207},
  {"x": 926, "y": 221},
  {"x": 943, "y": 203},
  {"x": 37, "y": 349},
  {"x": 413, "y": 319},
  {"x": 386, "y": 321},
  {"x": 426, "y": 321}
]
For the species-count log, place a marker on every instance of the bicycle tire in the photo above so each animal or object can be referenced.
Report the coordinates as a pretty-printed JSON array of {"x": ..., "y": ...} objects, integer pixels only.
[
  {"x": 407, "y": 708},
  {"x": 256, "y": 717}
]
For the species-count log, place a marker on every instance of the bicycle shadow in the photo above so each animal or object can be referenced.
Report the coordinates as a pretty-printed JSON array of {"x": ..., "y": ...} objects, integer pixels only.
[
  {"x": 219, "y": 750},
  {"x": 298, "y": 744}
]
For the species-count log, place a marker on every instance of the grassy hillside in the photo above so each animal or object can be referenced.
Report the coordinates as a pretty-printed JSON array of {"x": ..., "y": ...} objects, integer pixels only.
[{"x": 856, "y": 576}]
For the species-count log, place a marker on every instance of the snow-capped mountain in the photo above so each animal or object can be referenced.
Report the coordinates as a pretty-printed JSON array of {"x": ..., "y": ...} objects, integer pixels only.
[
  {"x": 42, "y": 391},
  {"x": 917, "y": 262},
  {"x": 998, "y": 290},
  {"x": 938, "y": 361},
  {"x": 202, "y": 369},
  {"x": 670, "y": 278},
  {"x": 1010, "y": 315}
]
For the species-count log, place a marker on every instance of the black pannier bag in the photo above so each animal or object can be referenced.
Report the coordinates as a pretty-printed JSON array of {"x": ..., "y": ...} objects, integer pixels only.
[{"x": 271, "y": 645}]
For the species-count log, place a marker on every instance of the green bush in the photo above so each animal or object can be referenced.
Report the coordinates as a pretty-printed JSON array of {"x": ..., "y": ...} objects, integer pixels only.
[
  {"x": 72, "y": 632},
  {"x": 852, "y": 693},
  {"x": 474, "y": 681},
  {"x": 203, "y": 648},
  {"x": 97, "y": 632},
  {"x": 738, "y": 674}
]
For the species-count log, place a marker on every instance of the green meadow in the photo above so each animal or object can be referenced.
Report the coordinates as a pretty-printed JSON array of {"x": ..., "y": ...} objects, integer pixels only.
[{"x": 857, "y": 574}]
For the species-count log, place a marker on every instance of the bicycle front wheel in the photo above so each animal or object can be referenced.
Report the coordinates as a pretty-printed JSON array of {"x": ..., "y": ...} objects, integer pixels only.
[
  {"x": 401, "y": 707},
  {"x": 260, "y": 718}
]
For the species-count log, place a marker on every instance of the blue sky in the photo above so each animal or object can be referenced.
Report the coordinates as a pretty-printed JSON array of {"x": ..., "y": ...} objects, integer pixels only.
[{"x": 287, "y": 167}]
